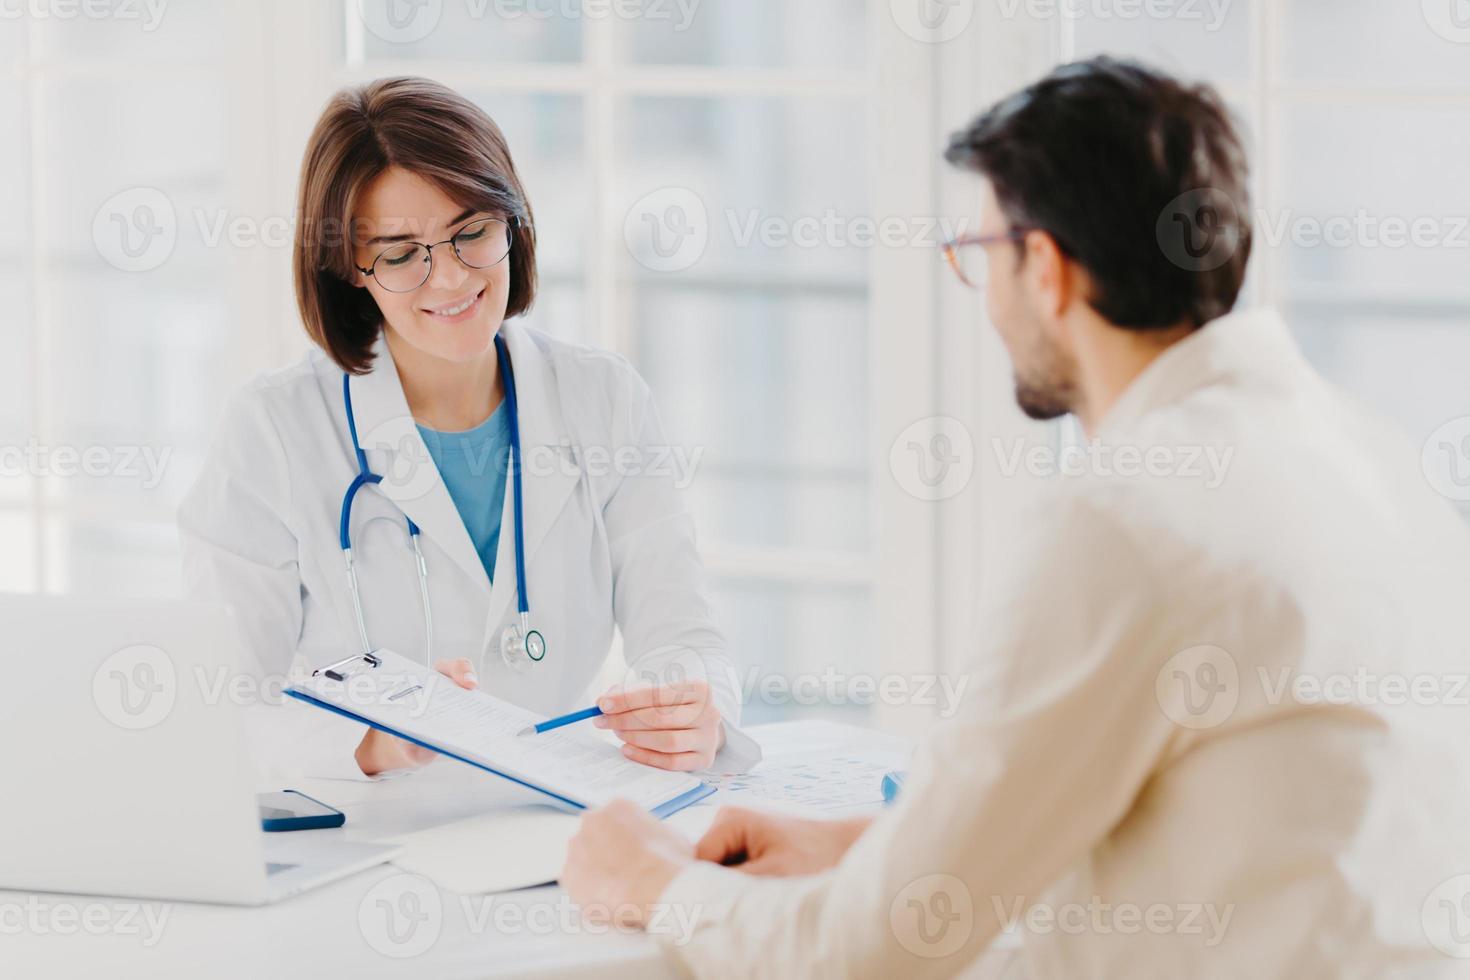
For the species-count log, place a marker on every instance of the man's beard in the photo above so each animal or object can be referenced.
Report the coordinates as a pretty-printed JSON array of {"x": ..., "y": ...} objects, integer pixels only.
[
  {"x": 1041, "y": 401},
  {"x": 1045, "y": 399}
]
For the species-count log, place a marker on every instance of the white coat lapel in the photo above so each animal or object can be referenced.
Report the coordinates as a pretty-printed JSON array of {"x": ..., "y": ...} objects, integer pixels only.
[
  {"x": 395, "y": 450},
  {"x": 548, "y": 467}
]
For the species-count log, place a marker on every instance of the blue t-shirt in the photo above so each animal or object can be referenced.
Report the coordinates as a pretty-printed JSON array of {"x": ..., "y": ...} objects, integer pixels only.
[{"x": 473, "y": 464}]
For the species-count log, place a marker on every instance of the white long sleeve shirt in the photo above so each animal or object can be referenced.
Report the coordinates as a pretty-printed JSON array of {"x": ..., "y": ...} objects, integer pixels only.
[{"x": 1213, "y": 732}]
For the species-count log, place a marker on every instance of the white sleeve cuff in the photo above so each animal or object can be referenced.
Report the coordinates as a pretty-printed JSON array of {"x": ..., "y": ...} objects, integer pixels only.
[{"x": 740, "y": 753}]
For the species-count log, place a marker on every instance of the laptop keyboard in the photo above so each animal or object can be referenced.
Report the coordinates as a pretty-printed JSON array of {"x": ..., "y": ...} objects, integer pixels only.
[{"x": 275, "y": 867}]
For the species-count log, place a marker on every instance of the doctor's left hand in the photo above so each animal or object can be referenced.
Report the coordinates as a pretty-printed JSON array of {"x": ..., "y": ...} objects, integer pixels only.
[
  {"x": 673, "y": 726},
  {"x": 379, "y": 752}
]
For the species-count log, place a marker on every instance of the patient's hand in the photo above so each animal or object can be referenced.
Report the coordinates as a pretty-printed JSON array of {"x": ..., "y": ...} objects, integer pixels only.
[
  {"x": 768, "y": 844},
  {"x": 379, "y": 752}
]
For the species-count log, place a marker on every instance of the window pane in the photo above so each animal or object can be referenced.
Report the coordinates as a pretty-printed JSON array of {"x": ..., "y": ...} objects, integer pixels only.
[
  {"x": 800, "y": 649},
  {"x": 112, "y": 558},
  {"x": 1360, "y": 184},
  {"x": 488, "y": 32},
  {"x": 12, "y": 41},
  {"x": 545, "y": 134},
  {"x": 17, "y": 551},
  {"x": 1376, "y": 43},
  {"x": 16, "y": 347},
  {"x": 124, "y": 175},
  {"x": 17, "y": 426},
  {"x": 1406, "y": 364},
  {"x": 751, "y": 33},
  {"x": 15, "y": 163},
  {"x": 755, "y": 338},
  {"x": 1204, "y": 41},
  {"x": 179, "y": 30},
  {"x": 779, "y": 186},
  {"x": 145, "y": 362},
  {"x": 772, "y": 388}
]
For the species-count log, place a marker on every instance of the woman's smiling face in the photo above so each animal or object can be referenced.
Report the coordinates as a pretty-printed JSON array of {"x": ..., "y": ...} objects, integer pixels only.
[{"x": 455, "y": 314}]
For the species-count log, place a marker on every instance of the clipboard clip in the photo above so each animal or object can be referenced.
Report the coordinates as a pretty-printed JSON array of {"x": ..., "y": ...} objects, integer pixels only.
[{"x": 347, "y": 667}]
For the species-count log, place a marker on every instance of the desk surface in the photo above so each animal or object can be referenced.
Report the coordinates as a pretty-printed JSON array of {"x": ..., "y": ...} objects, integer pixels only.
[{"x": 343, "y": 929}]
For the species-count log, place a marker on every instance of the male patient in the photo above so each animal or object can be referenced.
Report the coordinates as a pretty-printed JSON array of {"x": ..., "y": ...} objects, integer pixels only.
[{"x": 1218, "y": 726}]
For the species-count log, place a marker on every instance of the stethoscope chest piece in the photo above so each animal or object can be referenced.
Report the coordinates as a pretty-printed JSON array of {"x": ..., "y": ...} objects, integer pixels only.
[{"x": 520, "y": 648}]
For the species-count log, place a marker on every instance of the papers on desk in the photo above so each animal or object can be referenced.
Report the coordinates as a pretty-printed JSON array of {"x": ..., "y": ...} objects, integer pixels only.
[
  {"x": 571, "y": 765},
  {"x": 819, "y": 783},
  {"x": 508, "y": 848}
]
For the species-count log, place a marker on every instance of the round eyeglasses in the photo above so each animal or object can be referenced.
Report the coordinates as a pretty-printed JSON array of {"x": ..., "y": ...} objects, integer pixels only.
[{"x": 405, "y": 266}]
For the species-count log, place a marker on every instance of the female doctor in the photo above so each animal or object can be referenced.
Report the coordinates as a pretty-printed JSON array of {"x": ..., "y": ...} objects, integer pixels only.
[{"x": 436, "y": 480}]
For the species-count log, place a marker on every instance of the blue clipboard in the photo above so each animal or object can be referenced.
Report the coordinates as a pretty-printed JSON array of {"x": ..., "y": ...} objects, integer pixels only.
[{"x": 678, "y": 803}]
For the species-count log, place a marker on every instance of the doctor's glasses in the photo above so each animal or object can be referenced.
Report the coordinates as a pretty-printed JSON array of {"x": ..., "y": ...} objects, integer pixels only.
[{"x": 405, "y": 266}]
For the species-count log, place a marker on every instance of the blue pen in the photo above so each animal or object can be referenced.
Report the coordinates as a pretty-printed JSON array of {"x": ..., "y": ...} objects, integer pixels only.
[{"x": 551, "y": 723}]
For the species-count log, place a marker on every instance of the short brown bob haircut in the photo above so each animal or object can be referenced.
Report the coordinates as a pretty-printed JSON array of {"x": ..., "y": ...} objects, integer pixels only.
[{"x": 423, "y": 127}]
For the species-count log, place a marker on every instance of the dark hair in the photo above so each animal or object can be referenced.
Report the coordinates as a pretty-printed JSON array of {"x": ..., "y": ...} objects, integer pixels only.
[
  {"x": 425, "y": 128},
  {"x": 1126, "y": 168}
]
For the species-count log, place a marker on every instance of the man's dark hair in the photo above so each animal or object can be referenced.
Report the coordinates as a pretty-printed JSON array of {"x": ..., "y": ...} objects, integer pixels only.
[{"x": 1139, "y": 178}]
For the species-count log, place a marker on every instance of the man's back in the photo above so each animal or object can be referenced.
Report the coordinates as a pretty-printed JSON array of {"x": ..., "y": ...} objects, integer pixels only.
[{"x": 1304, "y": 777}]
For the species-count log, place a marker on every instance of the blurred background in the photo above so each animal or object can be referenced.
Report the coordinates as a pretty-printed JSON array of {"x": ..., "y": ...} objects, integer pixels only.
[{"x": 744, "y": 197}]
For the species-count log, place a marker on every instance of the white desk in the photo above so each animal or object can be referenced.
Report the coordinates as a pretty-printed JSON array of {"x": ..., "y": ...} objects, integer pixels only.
[{"x": 342, "y": 929}]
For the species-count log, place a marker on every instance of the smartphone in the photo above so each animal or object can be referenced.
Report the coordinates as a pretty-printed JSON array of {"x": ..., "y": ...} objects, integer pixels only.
[{"x": 290, "y": 810}]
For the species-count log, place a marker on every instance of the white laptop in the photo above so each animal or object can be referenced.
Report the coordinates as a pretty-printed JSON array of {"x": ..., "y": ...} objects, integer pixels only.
[{"x": 127, "y": 771}]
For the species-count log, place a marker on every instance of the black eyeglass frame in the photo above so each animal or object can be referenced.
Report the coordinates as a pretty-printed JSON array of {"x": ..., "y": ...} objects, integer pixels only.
[{"x": 512, "y": 223}]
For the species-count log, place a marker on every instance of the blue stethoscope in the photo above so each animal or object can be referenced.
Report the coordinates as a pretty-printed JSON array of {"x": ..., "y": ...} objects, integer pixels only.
[{"x": 520, "y": 645}]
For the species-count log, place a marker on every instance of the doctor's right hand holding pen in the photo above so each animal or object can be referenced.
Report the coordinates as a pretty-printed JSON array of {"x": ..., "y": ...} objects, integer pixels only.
[{"x": 671, "y": 726}]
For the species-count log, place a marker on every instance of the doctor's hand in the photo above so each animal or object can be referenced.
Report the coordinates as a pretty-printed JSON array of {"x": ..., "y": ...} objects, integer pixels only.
[
  {"x": 674, "y": 726},
  {"x": 379, "y": 752},
  {"x": 768, "y": 844}
]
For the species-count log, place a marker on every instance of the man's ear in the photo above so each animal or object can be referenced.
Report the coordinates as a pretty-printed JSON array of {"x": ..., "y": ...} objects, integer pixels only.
[{"x": 1053, "y": 277}]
